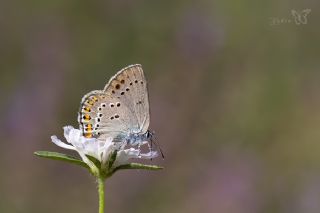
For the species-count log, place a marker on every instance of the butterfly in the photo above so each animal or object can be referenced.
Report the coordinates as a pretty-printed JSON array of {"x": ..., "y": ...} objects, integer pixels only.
[
  {"x": 300, "y": 18},
  {"x": 120, "y": 110}
]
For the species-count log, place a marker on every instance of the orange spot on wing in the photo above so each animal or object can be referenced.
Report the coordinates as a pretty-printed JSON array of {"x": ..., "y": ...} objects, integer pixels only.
[
  {"x": 89, "y": 128},
  {"x": 87, "y": 109},
  {"x": 86, "y": 117},
  {"x": 88, "y": 135}
]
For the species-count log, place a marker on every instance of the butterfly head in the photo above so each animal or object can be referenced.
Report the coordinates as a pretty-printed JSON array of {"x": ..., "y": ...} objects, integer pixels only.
[{"x": 149, "y": 135}]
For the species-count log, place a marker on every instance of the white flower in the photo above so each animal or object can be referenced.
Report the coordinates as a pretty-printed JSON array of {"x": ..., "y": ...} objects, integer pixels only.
[{"x": 100, "y": 150}]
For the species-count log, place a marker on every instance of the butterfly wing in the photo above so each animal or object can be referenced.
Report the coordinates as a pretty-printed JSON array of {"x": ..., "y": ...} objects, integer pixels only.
[
  {"x": 90, "y": 113},
  {"x": 129, "y": 86},
  {"x": 121, "y": 108}
]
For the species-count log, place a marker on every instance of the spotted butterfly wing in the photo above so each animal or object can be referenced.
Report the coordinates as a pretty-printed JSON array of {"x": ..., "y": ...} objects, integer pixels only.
[{"x": 121, "y": 108}]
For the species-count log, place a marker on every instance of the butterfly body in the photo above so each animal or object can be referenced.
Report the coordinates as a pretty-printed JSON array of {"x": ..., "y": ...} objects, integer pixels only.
[{"x": 120, "y": 110}]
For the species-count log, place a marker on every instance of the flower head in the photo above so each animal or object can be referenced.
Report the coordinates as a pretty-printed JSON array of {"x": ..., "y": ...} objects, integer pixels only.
[{"x": 100, "y": 150}]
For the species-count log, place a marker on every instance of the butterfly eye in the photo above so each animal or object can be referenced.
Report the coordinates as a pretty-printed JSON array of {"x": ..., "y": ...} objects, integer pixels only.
[{"x": 148, "y": 134}]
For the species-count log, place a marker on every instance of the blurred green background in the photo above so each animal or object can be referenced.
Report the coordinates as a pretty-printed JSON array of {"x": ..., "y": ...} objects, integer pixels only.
[{"x": 234, "y": 93}]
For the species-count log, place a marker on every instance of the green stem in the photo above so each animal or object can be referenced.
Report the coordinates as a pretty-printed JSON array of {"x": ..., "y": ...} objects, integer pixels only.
[{"x": 101, "y": 194}]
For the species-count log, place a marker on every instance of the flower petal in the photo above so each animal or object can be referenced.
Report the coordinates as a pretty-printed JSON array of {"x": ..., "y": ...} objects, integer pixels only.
[
  {"x": 92, "y": 166},
  {"x": 66, "y": 132},
  {"x": 149, "y": 155},
  {"x": 124, "y": 155},
  {"x": 71, "y": 134},
  {"x": 58, "y": 142},
  {"x": 106, "y": 149},
  {"x": 100, "y": 149},
  {"x": 89, "y": 148}
]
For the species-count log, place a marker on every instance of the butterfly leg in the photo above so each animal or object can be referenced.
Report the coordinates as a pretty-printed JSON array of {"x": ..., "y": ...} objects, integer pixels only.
[
  {"x": 157, "y": 146},
  {"x": 139, "y": 145}
]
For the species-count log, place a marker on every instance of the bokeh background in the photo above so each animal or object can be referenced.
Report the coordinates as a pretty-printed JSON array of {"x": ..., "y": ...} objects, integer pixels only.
[{"x": 234, "y": 93}]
